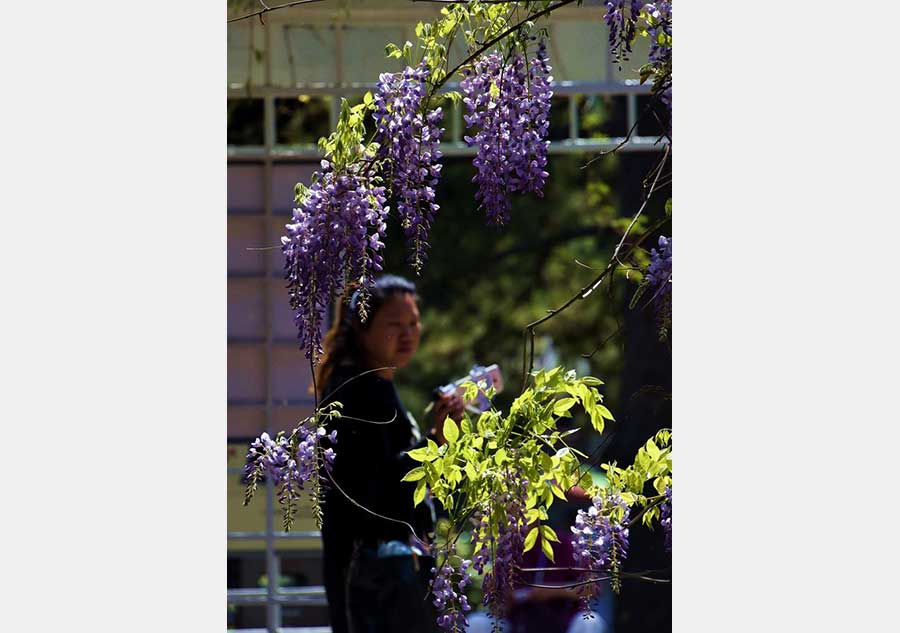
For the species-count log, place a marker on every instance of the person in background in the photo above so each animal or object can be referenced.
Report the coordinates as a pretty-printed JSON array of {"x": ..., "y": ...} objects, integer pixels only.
[{"x": 376, "y": 570}]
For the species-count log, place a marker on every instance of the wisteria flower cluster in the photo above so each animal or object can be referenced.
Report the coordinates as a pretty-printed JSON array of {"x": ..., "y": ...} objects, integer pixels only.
[
  {"x": 659, "y": 29},
  {"x": 508, "y": 548},
  {"x": 659, "y": 279},
  {"x": 659, "y": 272},
  {"x": 336, "y": 236},
  {"x": 448, "y": 585},
  {"x": 621, "y": 17},
  {"x": 508, "y": 103},
  {"x": 665, "y": 517},
  {"x": 600, "y": 539},
  {"x": 408, "y": 138},
  {"x": 292, "y": 462}
]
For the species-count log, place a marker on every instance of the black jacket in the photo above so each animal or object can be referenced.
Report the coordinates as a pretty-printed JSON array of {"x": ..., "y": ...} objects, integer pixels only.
[{"x": 373, "y": 435}]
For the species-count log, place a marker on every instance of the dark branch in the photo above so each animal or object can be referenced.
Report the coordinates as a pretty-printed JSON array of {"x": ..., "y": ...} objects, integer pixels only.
[
  {"x": 641, "y": 575},
  {"x": 613, "y": 262},
  {"x": 266, "y": 9},
  {"x": 494, "y": 40}
]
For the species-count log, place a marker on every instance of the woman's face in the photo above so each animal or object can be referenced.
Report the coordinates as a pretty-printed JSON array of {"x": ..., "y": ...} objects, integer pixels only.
[{"x": 393, "y": 333}]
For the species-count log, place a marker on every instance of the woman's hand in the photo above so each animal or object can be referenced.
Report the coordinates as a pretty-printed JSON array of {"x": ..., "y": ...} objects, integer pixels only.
[{"x": 450, "y": 405}]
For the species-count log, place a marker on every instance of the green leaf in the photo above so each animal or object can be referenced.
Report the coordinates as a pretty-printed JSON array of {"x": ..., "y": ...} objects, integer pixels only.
[
  {"x": 546, "y": 461},
  {"x": 650, "y": 516},
  {"x": 531, "y": 538},
  {"x": 419, "y": 454},
  {"x": 659, "y": 484},
  {"x": 554, "y": 487},
  {"x": 637, "y": 296},
  {"x": 603, "y": 411},
  {"x": 548, "y": 549},
  {"x": 500, "y": 457},
  {"x": 419, "y": 494},
  {"x": 548, "y": 533},
  {"x": 547, "y": 497},
  {"x": 414, "y": 475},
  {"x": 451, "y": 431},
  {"x": 562, "y": 406}
]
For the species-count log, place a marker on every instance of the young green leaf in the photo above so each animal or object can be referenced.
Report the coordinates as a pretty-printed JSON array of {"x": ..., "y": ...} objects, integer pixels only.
[
  {"x": 561, "y": 407},
  {"x": 451, "y": 431},
  {"x": 548, "y": 549},
  {"x": 548, "y": 533},
  {"x": 531, "y": 538},
  {"x": 419, "y": 494},
  {"x": 414, "y": 475},
  {"x": 419, "y": 454}
]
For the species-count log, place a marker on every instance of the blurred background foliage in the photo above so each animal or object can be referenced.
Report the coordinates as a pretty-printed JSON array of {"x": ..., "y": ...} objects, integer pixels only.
[{"x": 483, "y": 284}]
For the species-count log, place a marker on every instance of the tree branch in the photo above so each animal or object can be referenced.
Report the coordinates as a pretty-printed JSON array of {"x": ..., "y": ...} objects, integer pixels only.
[
  {"x": 613, "y": 262},
  {"x": 640, "y": 575},
  {"x": 494, "y": 40},
  {"x": 266, "y": 9}
]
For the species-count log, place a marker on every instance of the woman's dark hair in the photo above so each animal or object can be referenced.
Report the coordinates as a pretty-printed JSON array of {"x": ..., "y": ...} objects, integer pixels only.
[{"x": 340, "y": 345}]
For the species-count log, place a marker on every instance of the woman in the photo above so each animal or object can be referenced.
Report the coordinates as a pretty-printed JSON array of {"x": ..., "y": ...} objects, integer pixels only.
[{"x": 374, "y": 578}]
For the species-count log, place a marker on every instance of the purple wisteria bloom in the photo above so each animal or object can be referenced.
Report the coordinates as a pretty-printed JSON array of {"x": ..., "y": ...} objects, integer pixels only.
[
  {"x": 408, "y": 138},
  {"x": 508, "y": 549},
  {"x": 448, "y": 587},
  {"x": 659, "y": 273},
  {"x": 659, "y": 30},
  {"x": 665, "y": 517},
  {"x": 291, "y": 462},
  {"x": 336, "y": 235},
  {"x": 600, "y": 540},
  {"x": 508, "y": 104},
  {"x": 621, "y": 18}
]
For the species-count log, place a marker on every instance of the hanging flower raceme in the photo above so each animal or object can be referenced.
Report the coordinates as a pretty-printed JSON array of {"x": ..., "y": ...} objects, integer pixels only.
[
  {"x": 621, "y": 17},
  {"x": 659, "y": 29},
  {"x": 665, "y": 517},
  {"x": 508, "y": 506},
  {"x": 336, "y": 236},
  {"x": 508, "y": 103},
  {"x": 448, "y": 586},
  {"x": 408, "y": 138},
  {"x": 600, "y": 539},
  {"x": 659, "y": 279},
  {"x": 292, "y": 463}
]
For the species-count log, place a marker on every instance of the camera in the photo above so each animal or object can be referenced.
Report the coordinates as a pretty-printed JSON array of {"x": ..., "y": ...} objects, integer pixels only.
[{"x": 490, "y": 375}]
